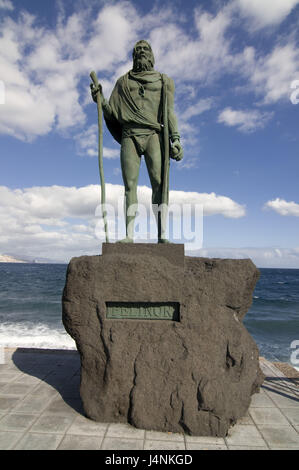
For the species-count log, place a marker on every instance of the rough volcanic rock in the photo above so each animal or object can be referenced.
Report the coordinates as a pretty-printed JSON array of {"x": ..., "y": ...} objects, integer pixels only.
[{"x": 196, "y": 375}]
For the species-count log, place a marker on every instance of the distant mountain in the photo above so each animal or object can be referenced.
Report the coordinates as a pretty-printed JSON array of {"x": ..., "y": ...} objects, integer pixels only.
[
  {"x": 13, "y": 258},
  {"x": 10, "y": 259}
]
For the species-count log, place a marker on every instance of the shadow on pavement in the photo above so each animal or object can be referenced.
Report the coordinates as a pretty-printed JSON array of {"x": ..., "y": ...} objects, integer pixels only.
[
  {"x": 56, "y": 367},
  {"x": 282, "y": 386}
]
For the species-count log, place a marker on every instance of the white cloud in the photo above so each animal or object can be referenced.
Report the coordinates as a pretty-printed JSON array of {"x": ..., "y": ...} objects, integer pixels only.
[
  {"x": 44, "y": 69},
  {"x": 264, "y": 257},
  {"x": 202, "y": 56},
  {"x": 188, "y": 163},
  {"x": 204, "y": 104},
  {"x": 212, "y": 203},
  {"x": 271, "y": 76},
  {"x": 87, "y": 144},
  {"x": 6, "y": 5},
  {"x": 58, "y": 222},
  {"x": 283, "y": 207},
  {"x": 111, "y": 153},
  {"x": 41, "y": 88},
  {"x": 188, "y": 131},
  {"x": 245, "y": 121},
  {"x": 266, "y": 12}
]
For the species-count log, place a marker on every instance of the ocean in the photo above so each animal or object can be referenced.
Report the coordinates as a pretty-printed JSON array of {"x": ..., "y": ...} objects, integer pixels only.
[{"x": 30, "y": 310}]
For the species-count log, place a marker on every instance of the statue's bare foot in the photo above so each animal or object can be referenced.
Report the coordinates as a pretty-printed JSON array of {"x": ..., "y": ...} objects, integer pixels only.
[
  {"x": 163, "y": 240},
  {"x": 126, "y": 240}
]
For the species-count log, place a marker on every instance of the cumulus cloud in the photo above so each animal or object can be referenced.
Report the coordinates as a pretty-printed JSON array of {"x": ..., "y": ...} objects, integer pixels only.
[
  {"x": 189, "y": 163},
  {"x": 45, "y": 204},
  {"x": 266, "y": 12},
  {"x": 195, "y": 109},
  {"x": 42, "y": 67},
  {"x": 283, "y": 207},
  {"x": 202, "y": 56},
  {"x": 6, "y": 5},
  {"x": 111, "y": 153},
  {"x": 41, "y": 88},
  {"x": 87, "y": 144},
  {"x": 271, "y": 76},
  {"x": 211, "y": 202},
  {"x": 45, "y": 70},
  {"x": 245, "y": 121},
  {"x": 271, "y": 257},
  {"x": 59, "y": 222},
  {"x": 190, "y": 132}
]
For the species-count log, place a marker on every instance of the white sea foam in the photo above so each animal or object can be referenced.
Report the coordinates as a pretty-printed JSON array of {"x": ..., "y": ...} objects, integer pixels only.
[{"x": 22, "y": 335}]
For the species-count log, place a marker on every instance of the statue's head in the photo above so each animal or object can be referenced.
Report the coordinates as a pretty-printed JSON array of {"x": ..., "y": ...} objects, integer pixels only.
[{"x": 143, "y": 57}]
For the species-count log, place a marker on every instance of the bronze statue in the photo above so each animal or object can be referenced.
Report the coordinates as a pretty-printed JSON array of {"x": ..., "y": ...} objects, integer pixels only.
[{"x": 140, "y": 116}]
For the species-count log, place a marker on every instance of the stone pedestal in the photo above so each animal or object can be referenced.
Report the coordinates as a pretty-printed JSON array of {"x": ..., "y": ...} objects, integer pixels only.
[{"x": 161, "y": 338}]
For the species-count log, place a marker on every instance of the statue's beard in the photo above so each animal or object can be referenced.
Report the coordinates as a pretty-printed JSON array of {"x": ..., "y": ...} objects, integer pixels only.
[{"x": 142, "y": 64}]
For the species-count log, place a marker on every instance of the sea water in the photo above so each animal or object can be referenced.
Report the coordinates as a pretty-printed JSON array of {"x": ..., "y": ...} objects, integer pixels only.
[
  {"x": 30, "y": 310},
  {"x": 30, "y": 306}
]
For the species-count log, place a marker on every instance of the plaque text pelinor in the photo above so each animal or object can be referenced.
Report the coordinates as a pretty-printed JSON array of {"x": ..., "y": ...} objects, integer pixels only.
[{"x": 143, "y": 310}]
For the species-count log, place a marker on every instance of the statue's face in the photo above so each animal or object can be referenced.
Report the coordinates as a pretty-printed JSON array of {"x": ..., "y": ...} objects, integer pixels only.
[
  {"x": 143, "y": 58},
  {"x": 142, "y": 50}
]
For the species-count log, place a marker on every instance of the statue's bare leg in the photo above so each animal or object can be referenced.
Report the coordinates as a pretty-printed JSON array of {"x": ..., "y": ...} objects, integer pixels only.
[
  {"x": 153, "y": 159},
  {"x": 130, "y": 164}
]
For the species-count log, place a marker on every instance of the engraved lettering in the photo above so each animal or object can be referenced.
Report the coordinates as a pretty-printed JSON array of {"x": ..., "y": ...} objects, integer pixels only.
[{"x": 143, "y": 310}]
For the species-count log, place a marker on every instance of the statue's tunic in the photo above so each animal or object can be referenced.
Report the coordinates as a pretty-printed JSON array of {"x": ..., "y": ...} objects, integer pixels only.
[
  {"x": 135, "y": 107},
  {"x": 142, "y": 103}
]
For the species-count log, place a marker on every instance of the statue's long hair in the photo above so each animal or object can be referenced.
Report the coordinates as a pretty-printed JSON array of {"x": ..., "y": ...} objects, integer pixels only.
[{"x": 151, "y": 60}]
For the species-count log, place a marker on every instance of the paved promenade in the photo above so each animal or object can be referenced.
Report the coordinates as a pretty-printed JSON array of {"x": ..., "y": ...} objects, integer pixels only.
[{"x": 40, "y": 408}]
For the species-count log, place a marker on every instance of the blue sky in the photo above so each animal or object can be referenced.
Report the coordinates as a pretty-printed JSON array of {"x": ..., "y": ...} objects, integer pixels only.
[{"x": 234, "y": 64}]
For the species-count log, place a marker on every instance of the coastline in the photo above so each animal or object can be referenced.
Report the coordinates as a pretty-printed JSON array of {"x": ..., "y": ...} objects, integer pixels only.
[{"x": 10, "y": 259}]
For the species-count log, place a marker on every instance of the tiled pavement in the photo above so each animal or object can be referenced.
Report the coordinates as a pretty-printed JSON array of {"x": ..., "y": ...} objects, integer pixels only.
[{"x": 40, "y": 408}]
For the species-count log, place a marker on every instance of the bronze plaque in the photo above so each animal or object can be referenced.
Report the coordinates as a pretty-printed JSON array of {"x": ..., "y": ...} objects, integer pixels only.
[{"x": 143, "y": 310}]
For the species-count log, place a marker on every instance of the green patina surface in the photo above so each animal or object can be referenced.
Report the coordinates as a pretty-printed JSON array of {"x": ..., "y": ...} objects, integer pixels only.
[
  {"x": 143, "y": 310},
  {"x": 140, "y": 116}
]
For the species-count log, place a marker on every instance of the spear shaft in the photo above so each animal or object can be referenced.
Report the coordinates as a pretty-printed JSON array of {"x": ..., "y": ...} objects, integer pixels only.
[{"x": 94, "y": 78}]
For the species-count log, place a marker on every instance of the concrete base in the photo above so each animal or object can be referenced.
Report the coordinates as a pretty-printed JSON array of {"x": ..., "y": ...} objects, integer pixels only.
[{"x": 195, "y": 375}]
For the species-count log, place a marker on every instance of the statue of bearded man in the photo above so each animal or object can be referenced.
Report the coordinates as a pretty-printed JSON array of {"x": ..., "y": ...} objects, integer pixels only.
[{"x": 140, "y": 116}]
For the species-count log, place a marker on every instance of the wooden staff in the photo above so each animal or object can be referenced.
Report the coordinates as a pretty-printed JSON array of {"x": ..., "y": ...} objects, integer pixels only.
[
  {"x": 165, "y": 183},
  {"x": 94, "y": 78}
]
